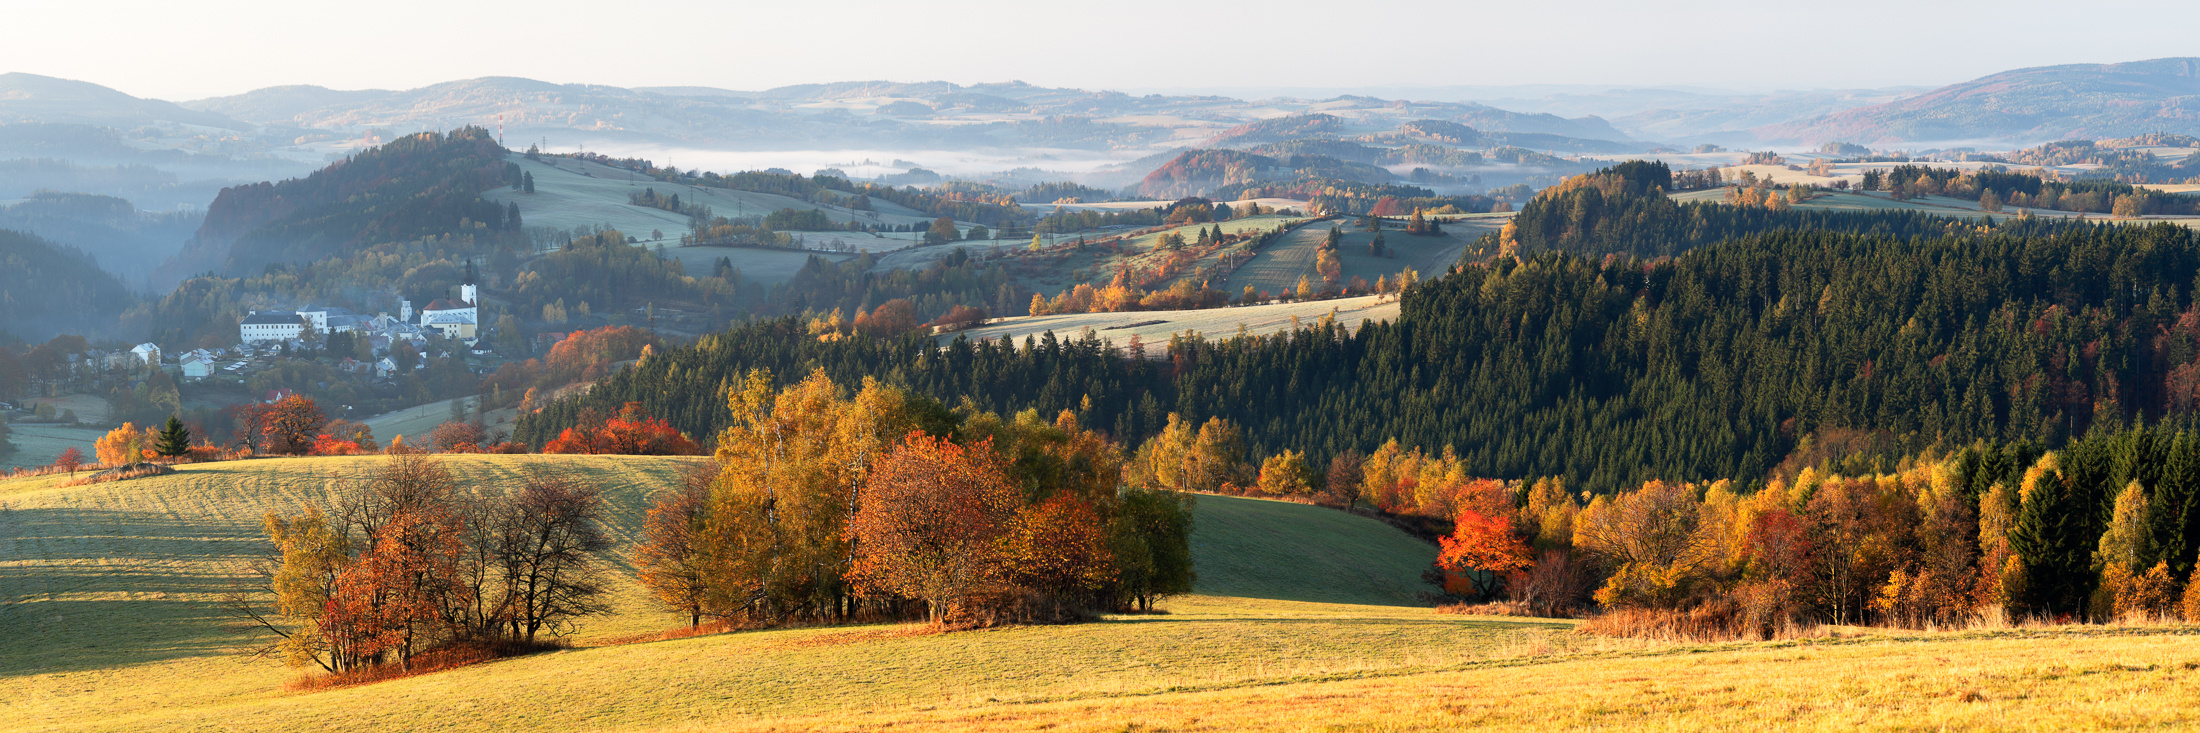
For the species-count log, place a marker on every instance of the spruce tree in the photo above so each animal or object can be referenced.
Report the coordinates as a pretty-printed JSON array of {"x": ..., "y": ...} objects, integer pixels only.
[
  {"x": 175, "y": 439},
  {"x": 2174, "y": 504},
  {"x": 2057, "y": 560}
]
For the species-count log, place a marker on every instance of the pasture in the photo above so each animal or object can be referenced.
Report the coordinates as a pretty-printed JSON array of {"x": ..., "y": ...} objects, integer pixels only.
[
  {"x": 1305, "y": 619},
  {"x": 1154, "y": 328}
]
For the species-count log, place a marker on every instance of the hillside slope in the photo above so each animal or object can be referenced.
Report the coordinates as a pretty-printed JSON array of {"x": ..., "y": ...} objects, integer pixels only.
[
  {"x": 2036, "y": 104},
  {"x": 111, "y": 618}
]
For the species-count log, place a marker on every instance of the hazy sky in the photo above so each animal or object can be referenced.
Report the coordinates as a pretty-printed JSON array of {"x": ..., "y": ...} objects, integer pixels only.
[{"x": 186, "y": 50}]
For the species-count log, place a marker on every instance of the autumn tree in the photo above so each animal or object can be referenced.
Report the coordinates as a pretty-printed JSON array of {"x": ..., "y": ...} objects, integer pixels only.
[
  {"x": 1286, "y": 474},
  {"x": 456, "y": 437},
  {"x": 930, "y": 523},
  {"x": 123, "y": 445},
  {"x": 70, "y": 459},
  {"x": 1484, "y": 548},
  {"x": 1654, "y": 538},
  {"x": 289, "y": 426},
  {"x": 1342, "y": 483},
  {"x": 310, "y": 553},
  {"x": 1183, "y": 457},
  {"x": 791, "y": 468},
  {"x": 1058, "y": 548},
  {"x": 669, "y": 557}
]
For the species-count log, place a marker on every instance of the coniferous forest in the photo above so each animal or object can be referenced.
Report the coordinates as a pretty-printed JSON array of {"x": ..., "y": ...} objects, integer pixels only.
[{"x": 1608, "y": 371}]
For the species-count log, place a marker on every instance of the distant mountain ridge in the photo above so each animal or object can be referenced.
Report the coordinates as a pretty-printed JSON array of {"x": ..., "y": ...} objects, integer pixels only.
[
  {"x": 2024, "y": 105},
  {"x": 34, "y": 98}
]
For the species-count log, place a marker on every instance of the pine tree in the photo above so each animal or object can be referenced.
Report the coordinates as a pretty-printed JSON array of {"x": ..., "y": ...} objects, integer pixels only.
[
  {"x": 527, "y": 182},
  {"x": 2057, "y": 562},
  {"x": 175, "y": 439}
]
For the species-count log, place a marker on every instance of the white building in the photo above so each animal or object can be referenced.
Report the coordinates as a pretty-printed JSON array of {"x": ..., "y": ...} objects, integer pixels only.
[
  {"x": 147, "y": 353},
  {"x": 453, "y": 324},
  {"x": 197, "y": 366},
  {"x": 264, "y": 326}
]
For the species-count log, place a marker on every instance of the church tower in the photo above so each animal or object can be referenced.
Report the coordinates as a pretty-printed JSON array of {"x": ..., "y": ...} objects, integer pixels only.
[{"x": 466, "y": 289}]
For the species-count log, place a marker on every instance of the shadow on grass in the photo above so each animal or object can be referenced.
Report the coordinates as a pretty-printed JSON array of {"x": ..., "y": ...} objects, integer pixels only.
[{"x": 85, "y": 589}]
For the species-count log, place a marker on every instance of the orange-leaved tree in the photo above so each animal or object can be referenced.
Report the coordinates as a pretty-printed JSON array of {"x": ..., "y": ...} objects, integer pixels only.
[
  {"x": 126, "y": 444},
  {"x": 1059, "y": 548},
  {"x": 631, "y": 433},
  {"x": 291, "y": 425},
  {"x": 1483, "y": 547},
  {"x": 930, "y": 523},
  {"x": 669, "y": 558}
]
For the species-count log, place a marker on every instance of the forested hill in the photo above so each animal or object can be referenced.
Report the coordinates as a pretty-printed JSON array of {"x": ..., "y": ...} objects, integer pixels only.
[
  {"x": 47, "y": 289},
  {"x": 1716, "y": 363},
  {"x": 422, "y": 185},
  {"x": 1624, "y": 210}
]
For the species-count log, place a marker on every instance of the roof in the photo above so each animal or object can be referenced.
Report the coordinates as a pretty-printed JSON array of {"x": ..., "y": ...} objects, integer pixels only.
[
  {"x": 271, "y": 318},
  {"x": 442, "y": 304},
  {"x": 446, "y": 318},
  {"x": 145, "y": 347}
]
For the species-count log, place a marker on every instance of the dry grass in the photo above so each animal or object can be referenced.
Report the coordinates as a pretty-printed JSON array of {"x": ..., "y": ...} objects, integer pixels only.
[
  {"x": 2090, "y": 681},
  {"x": 107, "y": 623}
]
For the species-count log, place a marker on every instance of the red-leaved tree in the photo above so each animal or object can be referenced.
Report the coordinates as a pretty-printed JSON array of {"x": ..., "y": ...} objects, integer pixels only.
[
  {"x": 930, "y": 523},
  {"x": 1483, "y": 547},
  {"x": 290, "y": 426}
]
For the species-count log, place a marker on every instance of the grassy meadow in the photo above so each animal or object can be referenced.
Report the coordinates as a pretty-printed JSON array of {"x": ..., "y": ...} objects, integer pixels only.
[
  {"x": 1305, "y": 619},
  {"x": 1154, "y": 328}
]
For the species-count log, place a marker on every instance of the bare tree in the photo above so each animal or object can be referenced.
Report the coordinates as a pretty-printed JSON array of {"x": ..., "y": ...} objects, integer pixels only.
[{"x": 549, "y": 547}]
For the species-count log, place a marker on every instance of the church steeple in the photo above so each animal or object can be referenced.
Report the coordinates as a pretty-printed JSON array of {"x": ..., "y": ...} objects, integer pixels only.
[{"x": 466, "y": 288}]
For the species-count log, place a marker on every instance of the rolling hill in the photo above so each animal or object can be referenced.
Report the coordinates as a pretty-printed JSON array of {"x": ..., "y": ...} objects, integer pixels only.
[
  {"x": 116, "y": 588},
  {"x": 2023, "y": 105}
]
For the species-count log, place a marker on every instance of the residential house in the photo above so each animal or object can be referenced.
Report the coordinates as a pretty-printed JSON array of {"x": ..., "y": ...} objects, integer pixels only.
[{"x": 197, "y": 365}]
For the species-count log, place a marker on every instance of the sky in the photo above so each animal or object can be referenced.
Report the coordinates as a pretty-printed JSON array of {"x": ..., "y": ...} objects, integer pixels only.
[{"x": 178, "y": 51}]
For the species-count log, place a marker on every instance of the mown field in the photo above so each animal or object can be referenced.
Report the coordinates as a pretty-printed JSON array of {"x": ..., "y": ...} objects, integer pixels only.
[
  {"x": 1306, "y": 619},
  {"x": 1278, "y": 268},
  {"x": 1154, "y": 328}
]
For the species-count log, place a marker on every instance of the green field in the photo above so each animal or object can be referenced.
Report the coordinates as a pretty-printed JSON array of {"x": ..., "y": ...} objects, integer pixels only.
[
  {"x": 38, "y": 445},
  {"x": 1278, "y": 268},
  {"x": 768, "y": 266}
]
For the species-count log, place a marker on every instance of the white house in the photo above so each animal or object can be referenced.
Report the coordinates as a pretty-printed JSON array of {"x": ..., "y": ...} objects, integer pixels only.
[
  {"x": 197, "y": 366},
  {"x": 385, "y": 367},
  {"x": 263, "y": 326},
  {"x": 147, "y": 353}
]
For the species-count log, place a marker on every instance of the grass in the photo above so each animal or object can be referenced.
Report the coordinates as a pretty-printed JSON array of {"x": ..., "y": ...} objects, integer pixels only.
[
  {"x": 38, "y": 445},
  {"x": 1153, "y": 328},
  {"x": 1305, "y": 621},
  {"x": 415, "y": 422}
]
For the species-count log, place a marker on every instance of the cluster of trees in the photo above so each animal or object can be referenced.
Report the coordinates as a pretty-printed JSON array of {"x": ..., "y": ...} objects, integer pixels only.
[
  {"x": 582, "y": 356},
  {"x": 407, "y": 563},
  {"x": 2104, "y": 529},
  {"x": 957, "y": 280},
  {"x": 1623, "y": 210},
  {"x": 648, "y": 197},
  {"x": 629, "y": 433},
  {"x": 1996, "y": 189},
  {"x": 605, "y": 269},
  {"x": 1064, "y": 192},
  {"x": 822, "y": 505}
]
